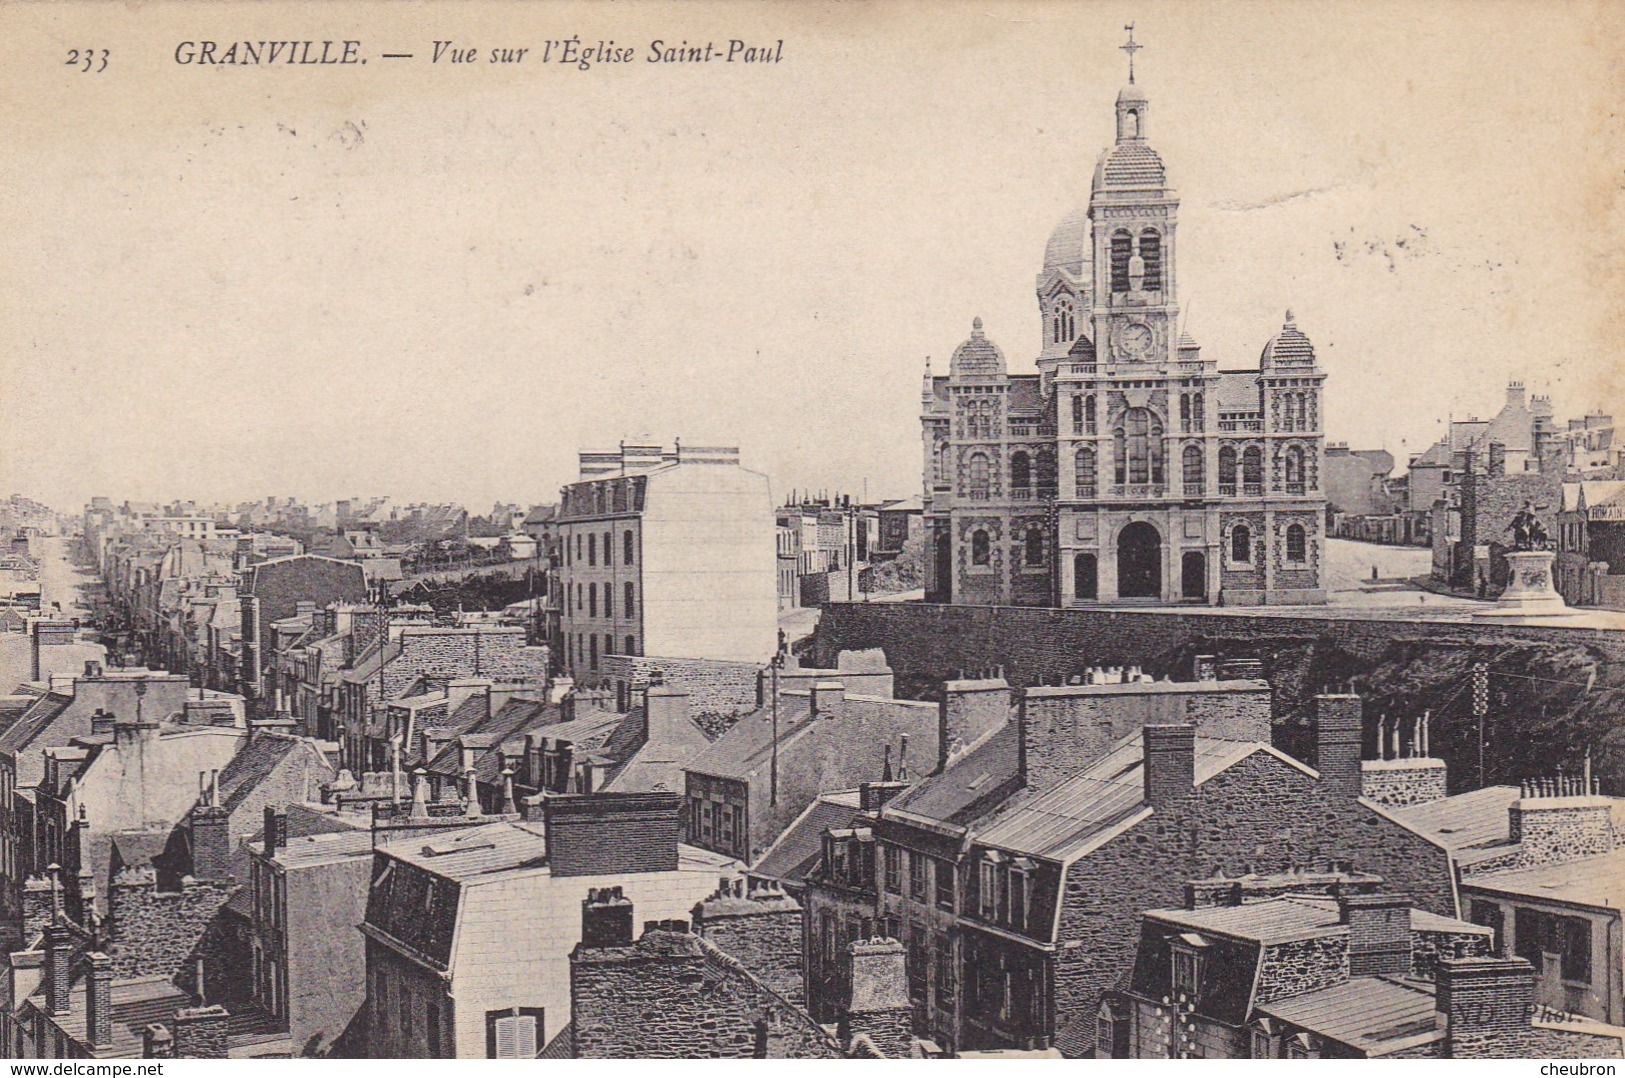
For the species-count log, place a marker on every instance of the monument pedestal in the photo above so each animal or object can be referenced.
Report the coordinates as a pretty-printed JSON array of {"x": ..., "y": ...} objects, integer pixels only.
[{"x": 1530, "y": 593}]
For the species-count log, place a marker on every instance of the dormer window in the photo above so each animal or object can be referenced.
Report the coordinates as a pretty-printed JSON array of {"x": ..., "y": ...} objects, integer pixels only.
[
  {"x": 1266, "y": 1039},
  {"x": 1187, "y": 952}
]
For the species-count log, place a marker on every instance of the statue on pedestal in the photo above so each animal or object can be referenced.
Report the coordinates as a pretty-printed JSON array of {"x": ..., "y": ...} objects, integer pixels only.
[{"x": 1528, "y": 533}]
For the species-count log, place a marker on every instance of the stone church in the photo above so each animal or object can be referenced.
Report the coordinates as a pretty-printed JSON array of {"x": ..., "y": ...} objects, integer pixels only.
[{"x": 1128, "y": 469}]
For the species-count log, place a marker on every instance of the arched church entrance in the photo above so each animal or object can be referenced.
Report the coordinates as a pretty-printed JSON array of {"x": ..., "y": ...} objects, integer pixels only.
[{"x": 1139, "y": 562}]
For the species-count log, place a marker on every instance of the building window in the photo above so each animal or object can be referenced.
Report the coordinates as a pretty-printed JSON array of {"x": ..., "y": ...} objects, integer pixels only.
[
  {"x": 627, "y": 603},
  {"x": 1139, "y": 448},
  {"x": 1294, "y": 470},
  {"x": 889, "y": 856},
  {"x": 592, "y": 600},
  {"x": 916, "y": 876},
  {"x": 945, "y": 970},
  {"x": 1241, "y": 544},
  {"x": 980, "y": 477},
  {"x": 592, "y": 549},
  {"x": 609, "y": 641},
  {"x": 1252, "y": 471},
  {"x": 1184, "y": 411},
  {"x": 1122, "y": 251},
  {"x": 1063, "y": 323},
  {"x": 592, "y": 644},
  {"x": 1263, "y": 1043},
  {"x": 1084, "y": 465},
  {"x": 1227, "y": 471},
  {"x": 1046, "y": 481},
  {"x": 987, "y": 890},
  {"x": 514, "y": 1033},
  {"x": 1198, "y": 412},
  {"x": 1192, "y": 467},
  {"x": 1151, "y": 255},
  {"x": 1576, "y": 951},
  {"x": 1077, "y": 414},
  {"x": 980, "y": 548},
  {"x": 1021, "y": 474},
  {"x": 626, "y": 547},
  {"x": 945, "y": 885},
  {"x": 1089, "y": 414},
  {"x": 631, "y": 645},
  {"x": 609, "y": 600},
  {"x": 1297, "y": 543},
  {"x": 1187, "y": 973},
  {"x": 1033, "y": 548},
  {"x": 1020, "y": 895}
]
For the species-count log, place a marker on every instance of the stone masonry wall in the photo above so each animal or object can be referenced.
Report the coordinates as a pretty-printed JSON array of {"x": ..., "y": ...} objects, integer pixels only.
[
  {"x": 762, "y": 931},
  {"x": 1299, "y": 966},
  {"x": 1260, "y": 815},
  {"x": 1427, "y": 947},
  {"x": 1065, "y": 729},
  {"x": 717, "y": 689},
  {"x": 1551, "y": 831},
  {"x": 156, "y": 933},
  {"x": 495, "y": 652},
  {"x": 1403, "y": 782},
  {"x": 673, "y": 996}
]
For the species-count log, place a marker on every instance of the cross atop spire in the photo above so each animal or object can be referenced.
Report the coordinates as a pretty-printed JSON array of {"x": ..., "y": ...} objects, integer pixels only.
[{"x": 1131, "y": 48}]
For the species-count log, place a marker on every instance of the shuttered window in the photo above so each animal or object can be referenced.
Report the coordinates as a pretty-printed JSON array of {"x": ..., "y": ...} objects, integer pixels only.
[{"x": 515, "y": 1033}]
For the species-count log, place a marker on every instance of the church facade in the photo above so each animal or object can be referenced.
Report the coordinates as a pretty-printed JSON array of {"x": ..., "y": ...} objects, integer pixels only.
[{"x": 1127, "y": 470}]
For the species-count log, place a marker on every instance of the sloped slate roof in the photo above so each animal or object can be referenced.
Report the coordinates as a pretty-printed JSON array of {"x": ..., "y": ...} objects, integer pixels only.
[
  {"x": 1368, "y": 1013},
  {"x": 1132, "y": 165},
  {"x": 793, "y": 853}
]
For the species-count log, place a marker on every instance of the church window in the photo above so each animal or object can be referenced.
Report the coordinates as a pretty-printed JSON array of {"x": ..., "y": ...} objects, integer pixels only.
[
  {"x": 1151, "y": 255},
  {"x": 1241, "y": 544},
  {"x": 1227, "y": 470},
  {"x": 979, "y": 477},
  {"x": 1033, "y": 552},
  {"x": 1197, "y": 408},
  {"x": 1297, "y": 543},
  {"x": 980, "y": 548},
  {"x": 1184, "y": 411},
  {"x": 1046, "y": 473},
  {"x": 979, "y": 419},
  {"x": 1021, "y": 474},
  {"x": 1089, "y": 414},
  {"x": 1077, "y": 415},
  {"x": 1252, "y": 471},
  {"x": 1085, "y": 465},
  {"x": 1122, "y": 251},
  {"x": 1139, "y": 444},
  {"x": 1063, "y": 323},
  {"x": 1294, "y": 470},
  {"x": 1193, "y": 478}
]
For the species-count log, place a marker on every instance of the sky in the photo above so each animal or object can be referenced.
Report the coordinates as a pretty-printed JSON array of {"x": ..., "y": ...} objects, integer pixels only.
[{"x": 440, "y": 281}]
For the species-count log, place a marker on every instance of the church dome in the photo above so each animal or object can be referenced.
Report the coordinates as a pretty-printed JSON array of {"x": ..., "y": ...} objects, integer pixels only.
[
  {"x": 1131, "y": 166},
  {"x": 976, "y": 356},
  {"x": 1288, "y": 348},
  {"x": 1068, "y": 246},
  {"x": 1131, "y": 94}
]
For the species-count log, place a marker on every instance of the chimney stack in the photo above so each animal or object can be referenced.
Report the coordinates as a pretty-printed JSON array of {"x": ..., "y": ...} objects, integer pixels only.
[
  {"x": 1170, "y": 762},
  {"x": 276, "y": 830},
  {"x": 93, "y": 670},
  {"x": 878, "y": 1007},
  {"x": 99, "y": 1000},
  {"x": 58, "y": 964},
  {"x": 211, "y": 840},
  {"x": 664, "y": 708},
  {"x": 1379, "y": 933},
  {"x": 606, "y": 918},
  {"x": 1485, "y": 995},
  {"x": 1339, "y": 726},
  {"x": 828, "y": 699}
]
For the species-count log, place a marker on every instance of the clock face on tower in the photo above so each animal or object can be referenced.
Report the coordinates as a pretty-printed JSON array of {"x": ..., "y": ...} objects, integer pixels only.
[{"x": 1134, "y": 340}]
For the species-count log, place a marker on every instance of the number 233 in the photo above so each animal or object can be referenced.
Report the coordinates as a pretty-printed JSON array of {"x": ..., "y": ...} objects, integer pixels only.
[{"x": 88, "y": 59}]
